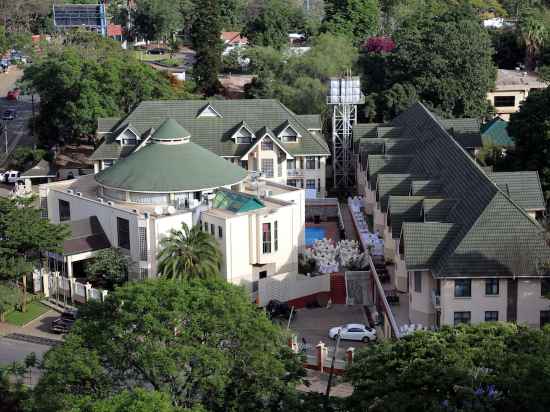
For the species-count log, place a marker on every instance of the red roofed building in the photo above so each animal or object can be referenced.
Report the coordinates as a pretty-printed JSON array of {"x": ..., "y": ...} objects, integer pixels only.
[
  {"x": 233, "y": 38},
  {"x": 114, "y": 31}
]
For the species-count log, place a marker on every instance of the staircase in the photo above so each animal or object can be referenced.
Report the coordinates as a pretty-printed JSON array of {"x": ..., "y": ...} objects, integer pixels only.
[{"x": 338, "y": 288}]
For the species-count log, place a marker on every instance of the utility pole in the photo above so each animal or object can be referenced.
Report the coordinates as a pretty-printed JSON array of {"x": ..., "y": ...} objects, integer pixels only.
[
  {"x": 5, "y": 126},
  {"x": 329, "y": 383}
]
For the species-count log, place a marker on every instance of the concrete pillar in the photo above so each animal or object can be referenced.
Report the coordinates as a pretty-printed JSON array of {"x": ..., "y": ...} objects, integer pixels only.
[
  {"x": 87, "y": 288},
  {"x": 350, "y": 353},
  {"x": 321, "y": 356},
  {"x": 293, "y": 343},
  {"x": 46, "y": 284},
  {"x": 69, "y": 267},
  {"x": 72, "y": 287},
  {"x": 104, "y": 294}
]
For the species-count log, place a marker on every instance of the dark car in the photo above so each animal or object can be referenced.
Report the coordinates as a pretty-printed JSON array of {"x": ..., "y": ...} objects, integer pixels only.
[
  {"x": 9, "y": 114},
  {"x": 157, "y": 50},
  {"x": 278, "y": 309},
  {"x": 64, "y": 323}
]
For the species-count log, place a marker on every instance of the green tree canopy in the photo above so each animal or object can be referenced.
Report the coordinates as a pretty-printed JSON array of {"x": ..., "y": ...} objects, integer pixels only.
[
  {"x": 489, "y": 367},
  {"x": 270, "y": 26},
  {"x": 109, "y": 268},
  {"x": 530, "y": 129},
  {"x": 189, "y": 253},
  {"x": 446, "y": 58},
  {"x": 156, "y": 19},
  {"x": 90, "y": 77},
  {"x": 358, "y": 19},
  {"x": 208, "y": 47},
  {"x": 198, "y": 343},
  {"x": 300, "y": 81}
]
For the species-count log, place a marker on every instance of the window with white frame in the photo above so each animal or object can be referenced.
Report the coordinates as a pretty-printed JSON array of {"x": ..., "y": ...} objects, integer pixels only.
[
  {"x": 462, "y": 317},
  {"x": 243, "y": 136},
  {"x": 310, "y": 184},
  {"x": 289, "y": 135},
  {"x": 267, "y": 167},
  {"x": 291, "y": 164}
]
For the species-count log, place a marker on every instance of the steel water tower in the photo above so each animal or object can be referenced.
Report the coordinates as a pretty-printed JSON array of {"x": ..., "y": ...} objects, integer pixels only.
[{"x": 344, "y": 94}]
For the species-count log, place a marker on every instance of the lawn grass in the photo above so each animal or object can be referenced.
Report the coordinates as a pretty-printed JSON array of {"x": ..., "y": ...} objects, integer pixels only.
[
  {"x": 34, "y": 310},
  {"x": 141, "y": 55}
]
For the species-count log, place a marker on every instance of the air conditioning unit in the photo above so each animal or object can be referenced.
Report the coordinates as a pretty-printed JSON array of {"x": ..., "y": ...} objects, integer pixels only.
[
  {"x": 171, "y": 210},
  {"x": 100, "y": 199},
  {"x": 110, "y": 203},
  {"x": 70, "y": 191},
  {"x": 79, "y": 194}
]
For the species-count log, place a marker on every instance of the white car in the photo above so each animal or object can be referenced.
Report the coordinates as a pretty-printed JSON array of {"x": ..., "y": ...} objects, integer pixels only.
[
  {"x": 353, "y": 331},
  {"x": 10, "y": 176}
]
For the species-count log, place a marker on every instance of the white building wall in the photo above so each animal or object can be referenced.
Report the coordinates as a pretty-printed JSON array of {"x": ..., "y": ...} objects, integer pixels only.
[
  {"x": 477, "y": 304},
  {"x": 530, "y": 302},
  {"x": 421, "y": 308}
]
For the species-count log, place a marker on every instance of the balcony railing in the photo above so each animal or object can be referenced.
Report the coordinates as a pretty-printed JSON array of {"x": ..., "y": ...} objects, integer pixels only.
[
  {"x": 294, "y": 172},
  {"x": 436, "y": 299}
]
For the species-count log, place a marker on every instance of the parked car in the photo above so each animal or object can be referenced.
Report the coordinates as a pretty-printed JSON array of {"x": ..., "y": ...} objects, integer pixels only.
[
  {"x": 13, "y": 94},
  {"x": 278, "y": 309},
  {"x": 64, "y": 323},
  {"x": 9, "y": 114},
  {"x": 353, "y": 331},
  {"x": 157, "y": 50},
  {"x": 9, "y": 176}
]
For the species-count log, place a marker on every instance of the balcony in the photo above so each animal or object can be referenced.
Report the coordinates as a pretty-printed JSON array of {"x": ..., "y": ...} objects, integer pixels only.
[
  {"x": 294, "y": 172},
  {"x": 436, "y": 299}
]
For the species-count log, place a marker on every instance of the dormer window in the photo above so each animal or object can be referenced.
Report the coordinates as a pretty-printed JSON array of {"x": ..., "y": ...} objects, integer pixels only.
[
  {"x": 128, "y": 137},
  {"x": 243, "y": 135},
  {"x": 209, "y": 111},
  {"x": 289, "y": 135}
]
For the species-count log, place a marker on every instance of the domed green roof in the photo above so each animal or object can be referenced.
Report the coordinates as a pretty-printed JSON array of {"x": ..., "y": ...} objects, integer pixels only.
[
  {"x": 170, "y": 130},
  {"x": 161, "y": 167}
]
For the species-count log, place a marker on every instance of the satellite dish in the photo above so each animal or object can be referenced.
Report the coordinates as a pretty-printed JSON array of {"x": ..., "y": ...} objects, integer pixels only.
[
  {"x": 171, "y": 210},
  {"x": 158, "y": 210}
]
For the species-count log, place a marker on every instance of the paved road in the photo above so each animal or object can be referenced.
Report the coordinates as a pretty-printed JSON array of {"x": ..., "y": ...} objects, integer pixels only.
[
  {"x": 12, "y": 350},
  {"x": 18, "y": 131}
]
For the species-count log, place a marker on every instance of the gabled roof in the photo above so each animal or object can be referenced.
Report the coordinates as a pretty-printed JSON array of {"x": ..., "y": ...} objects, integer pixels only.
[
  {"x": 524, "y": 188},
  {"x": 262, "y": 134},
  {"x": 105, "y": 124},
  {"x": 392, "y": 184},
  {"x": 496, "y": 132},
  {"x": 214, "y": 133},
  {"x": 483, "y": 222},
  {"x": 209, "y": 111},
  {"x": 311, "y": 121},
  {"x": 236, "y": 202},
  {"x": 233, "y": 37},
  {"x": 403, "y": 209}
]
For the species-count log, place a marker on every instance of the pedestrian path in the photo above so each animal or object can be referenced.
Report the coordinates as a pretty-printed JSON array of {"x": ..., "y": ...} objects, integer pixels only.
[{"x": 349, "y": 227}]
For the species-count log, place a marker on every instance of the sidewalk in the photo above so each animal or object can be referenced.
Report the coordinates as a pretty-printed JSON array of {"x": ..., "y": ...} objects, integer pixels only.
[{"x": 39, "y": 327}]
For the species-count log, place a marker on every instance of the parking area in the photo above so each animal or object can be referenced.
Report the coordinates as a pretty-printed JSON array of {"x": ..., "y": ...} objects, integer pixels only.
[{"x": 313, "y": 325}]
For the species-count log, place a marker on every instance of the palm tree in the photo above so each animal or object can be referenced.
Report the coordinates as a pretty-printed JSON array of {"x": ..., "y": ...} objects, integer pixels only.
[
  {"x": 189, "y": 253},
  {"x": 533, "y": 33}
]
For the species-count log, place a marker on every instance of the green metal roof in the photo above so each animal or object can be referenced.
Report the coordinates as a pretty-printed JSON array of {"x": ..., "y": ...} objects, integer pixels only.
[
  {"x": 310, "y": 121},
  {"x": 159, "y": 167},
  {"x": 392, "y": 184},
  {"x": 524, "y": 188},
  {"x": 236, "y": 202},
  {"x": 170, "y": 130},
  {"x": 496, "y": 132},
  {"x": 214, "y": 133},
  {"x": 404, "y": 209},
  {"x": 484, "y": 216}
]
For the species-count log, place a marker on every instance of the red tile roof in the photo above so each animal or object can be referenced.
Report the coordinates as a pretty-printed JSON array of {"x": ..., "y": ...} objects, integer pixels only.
[
  {"x": 234, "y": 37},
  {"x": 114, "y": 30}
]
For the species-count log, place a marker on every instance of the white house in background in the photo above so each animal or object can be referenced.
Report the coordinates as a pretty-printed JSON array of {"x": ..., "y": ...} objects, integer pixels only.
[
  {"x": 511, "y": 88},
  {"x": 165, "y": 181},
  {"x": 261, "y": 135}
]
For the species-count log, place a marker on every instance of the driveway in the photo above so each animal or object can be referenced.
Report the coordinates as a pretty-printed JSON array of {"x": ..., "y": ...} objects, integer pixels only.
[{"x": 313, "y": 325}]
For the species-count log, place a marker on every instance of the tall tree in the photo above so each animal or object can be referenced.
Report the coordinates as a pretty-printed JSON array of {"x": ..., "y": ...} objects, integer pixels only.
[
  {"x": 489, "y": 367},
  {"x": 533, "y": 31},
  {"x": 356, "y": 18},
  {"x": 208, "y": 46},
  {"x": 189, "y": 253},
  {"x": 446, "y": 57},
  {"x": 87, "y": 78},
  {"x": 272, "y": 23},
  {"x": 530, "y": 129},
  {"x": 201, "y": 344},
  {"x": 156, "y": 19},
  {"x": 109, "y": 268}
]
